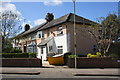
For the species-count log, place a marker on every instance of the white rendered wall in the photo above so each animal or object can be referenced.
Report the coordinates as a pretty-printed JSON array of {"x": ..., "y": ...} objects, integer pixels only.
[
  {"x": 38, "y": 52},
  {"x": 56, "y": 41},
  {"x": 62, "y": 41}
]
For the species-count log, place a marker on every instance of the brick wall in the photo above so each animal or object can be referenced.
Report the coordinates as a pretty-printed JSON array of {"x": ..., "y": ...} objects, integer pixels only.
[
  {"x": 21, "y": 62},
  {"x": 94, "y": 63}
]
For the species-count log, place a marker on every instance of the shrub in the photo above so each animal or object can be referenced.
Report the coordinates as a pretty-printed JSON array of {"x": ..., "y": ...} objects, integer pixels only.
[
  {"x": 98, "y": 54},
  {"x": 66, "y": 55},
  {"x": 16, "y": 50},
  {"x": 82, "y": 55},
  {"x": 15, "y": 55},
  {"x": 73, "y": 56},
  {"x": 93, "y": 56},
  {"x": 114, "y": 50},
  {"x": 18, "y": 55},
  {"x": 6, "y": 46},
  {"x": 113, "y": 55},
  {"x": 11, "y": 50},
  {"x": 88, "y": 55},
  {"x": 32, "y": 55},
  {"x": 6, "y": 50}
]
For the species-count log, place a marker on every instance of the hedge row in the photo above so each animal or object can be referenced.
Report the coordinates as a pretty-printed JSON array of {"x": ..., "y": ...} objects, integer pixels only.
[{"x": 18, "y": 55}]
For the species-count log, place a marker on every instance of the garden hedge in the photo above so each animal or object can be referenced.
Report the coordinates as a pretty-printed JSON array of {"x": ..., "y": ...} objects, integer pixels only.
[{"x": 18, "y": 55}]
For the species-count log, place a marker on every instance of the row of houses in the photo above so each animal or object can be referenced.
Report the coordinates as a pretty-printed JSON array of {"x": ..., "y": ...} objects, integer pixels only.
[{"x": 56, "y": 36}]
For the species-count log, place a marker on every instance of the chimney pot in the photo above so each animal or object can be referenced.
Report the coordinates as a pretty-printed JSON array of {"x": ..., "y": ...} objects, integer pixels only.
[
  {"x": 27, "y": 27},
  {"x": 49, "y": 17}
]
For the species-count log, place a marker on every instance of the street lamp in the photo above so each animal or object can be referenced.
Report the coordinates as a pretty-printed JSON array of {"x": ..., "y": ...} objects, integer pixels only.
[{"x": 75, "y": 35}]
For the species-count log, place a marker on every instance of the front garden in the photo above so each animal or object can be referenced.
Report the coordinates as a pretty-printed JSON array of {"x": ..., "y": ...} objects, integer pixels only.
[
  {"x": 18, "y": 55},
  {"x": 93, "y": 61},
  {"x": 15, "y": 58}
]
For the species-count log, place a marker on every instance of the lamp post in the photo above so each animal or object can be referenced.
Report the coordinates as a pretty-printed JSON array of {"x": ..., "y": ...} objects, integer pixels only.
[
  {"x": 75, "y": 35},
  {"x": 1, "y": 38}
]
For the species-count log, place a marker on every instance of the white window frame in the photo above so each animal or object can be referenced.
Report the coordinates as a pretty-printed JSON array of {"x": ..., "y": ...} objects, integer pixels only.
[
  {"x": 50, "y": 48},
  {"x": 60, "y": 48},
  {"x": 60, "y": 30},
  {"x": 32, "y": 37},
  {"x": 41, "y": 33}
]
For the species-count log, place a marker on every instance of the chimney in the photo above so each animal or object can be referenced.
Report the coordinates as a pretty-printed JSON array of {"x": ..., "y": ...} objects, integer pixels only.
[
  {"x": 49, "y": 17},
  {"x": 27, "y": 27}
]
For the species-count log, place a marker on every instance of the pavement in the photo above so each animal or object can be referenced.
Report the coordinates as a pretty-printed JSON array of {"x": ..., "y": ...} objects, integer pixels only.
[
  {"x": 45, "y": 64},
  {"x": 51, "y": 71}
]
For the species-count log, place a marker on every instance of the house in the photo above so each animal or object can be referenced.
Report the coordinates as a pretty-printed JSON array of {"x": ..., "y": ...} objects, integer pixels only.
[{"x": 57, "y": 35}]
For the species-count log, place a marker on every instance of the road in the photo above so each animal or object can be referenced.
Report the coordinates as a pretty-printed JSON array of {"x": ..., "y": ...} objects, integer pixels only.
[{"x": 96, "y": 74}]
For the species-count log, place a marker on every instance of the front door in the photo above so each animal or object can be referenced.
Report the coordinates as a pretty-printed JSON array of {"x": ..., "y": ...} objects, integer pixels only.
[
  {"x": 25, "y": 48},
  {"x": 43, "y": 53}
]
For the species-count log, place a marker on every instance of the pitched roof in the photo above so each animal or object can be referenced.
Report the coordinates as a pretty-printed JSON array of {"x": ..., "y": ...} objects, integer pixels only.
[
  {"x": 44, "y": 42},
  {"x": 66, "y": 18},
  {"x": 79, "y": 19},
  {"x": 30, "y": 30}
]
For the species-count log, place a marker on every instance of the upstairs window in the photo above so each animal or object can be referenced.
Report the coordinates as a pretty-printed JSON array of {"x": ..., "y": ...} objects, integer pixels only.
[
  {"x": 49, "y": 32},
  {"x": 59, "y": 31},
  {"x": 32, "y": 37},
  {"x": 16, "y": 40},
  {"x": 40, "y": 34},
  {"x": 118, "y": 39}
]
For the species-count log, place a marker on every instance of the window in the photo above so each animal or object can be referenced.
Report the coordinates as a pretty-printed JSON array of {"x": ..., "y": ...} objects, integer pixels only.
[
  {"x": 50, "y": 48},
  {"x": 42, "y": 50},
  {"x": 40, "y": 34},
  {"x": 59, "y": 31},
  {"x": 16, "y": 40},
  {"x": 49, "y": 32},
  {"x": 94, "y": 48},
  {"x": 60, "y": 49},
  {"x": 118, "y": 39},
  {"x": 32, "y": 37}
]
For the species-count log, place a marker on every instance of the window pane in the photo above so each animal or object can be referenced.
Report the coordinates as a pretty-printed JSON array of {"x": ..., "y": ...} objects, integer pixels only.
[
  {"x": 60, "y": 28},
  {"x": 50, "y": 48},
  {"x": 32, "y": 37},
  {"x": 60, "y": 51},
  {"x": 59, "y": 46},
  {"x": 59, "y": 31},
  {"x": 39, "y": 35},
  {"x": 42, "y": 34},
  {"x": 42, "y": 50}
]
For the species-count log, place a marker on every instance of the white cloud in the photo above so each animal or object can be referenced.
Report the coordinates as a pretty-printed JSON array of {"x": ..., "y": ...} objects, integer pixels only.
[
  {"x": 27, "y": 22},
  {"x": 6, "y": 6},
  {"x": 39, "y": 21},
  {"x": 53, "y": 2},
  {"x": 23, "y": 24},
  {"x": 62, "y": 0}
]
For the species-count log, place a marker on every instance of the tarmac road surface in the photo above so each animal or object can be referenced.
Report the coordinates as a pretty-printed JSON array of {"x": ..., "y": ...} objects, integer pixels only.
[{"x": 16, "y": 73}]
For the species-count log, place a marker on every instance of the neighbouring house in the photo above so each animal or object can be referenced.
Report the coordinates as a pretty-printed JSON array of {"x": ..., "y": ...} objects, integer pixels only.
[{"x": 57, "y": 36}]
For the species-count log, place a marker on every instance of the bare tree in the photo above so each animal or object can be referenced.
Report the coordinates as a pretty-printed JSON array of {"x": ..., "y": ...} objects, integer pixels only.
[{"x": 9, "y": 25}]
